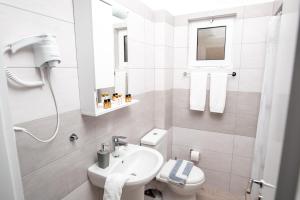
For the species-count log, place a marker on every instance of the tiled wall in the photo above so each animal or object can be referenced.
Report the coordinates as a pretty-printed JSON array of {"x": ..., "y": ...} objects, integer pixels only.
[
  {"x": 224, "y": 140},
  {"x": 59, "y": 169},
  {"x": 225, "y": 158},
  {"x": 164, "y": 32},
  {"x": 157, "y": 56}
]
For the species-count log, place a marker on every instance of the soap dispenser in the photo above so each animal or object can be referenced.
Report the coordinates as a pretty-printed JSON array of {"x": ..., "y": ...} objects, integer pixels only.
[{"x": 103, "y": 156}]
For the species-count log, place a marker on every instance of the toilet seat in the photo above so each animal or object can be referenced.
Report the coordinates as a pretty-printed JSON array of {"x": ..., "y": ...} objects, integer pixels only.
[{"x": 196, "y": 175}]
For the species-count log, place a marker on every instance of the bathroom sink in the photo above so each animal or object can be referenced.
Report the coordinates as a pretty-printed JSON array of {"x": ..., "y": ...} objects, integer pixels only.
[{"x": 141, "y": 163}]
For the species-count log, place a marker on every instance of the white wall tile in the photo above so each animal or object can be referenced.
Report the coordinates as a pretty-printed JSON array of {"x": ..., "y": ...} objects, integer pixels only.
[
  {"x": 136, "y": 52},
  {"x": 236, "y": 55},
  {"x": 30, "y": 104},
  {"x": 163, "y": 57},
  {"x": 149, "y": 32},
  {"x": 181, "y": 36},
  {"x": 164, "y": 34},
  {"x": 243, "y": 146},
  {"x": 253, "y": 55},
  {"x": 149, "y": 56},
  {"x": 163, "y": 79},
  {"x": 149, "y": 80},
  {"x": 136, "y": 27},
  {"x": 29, "y": 24},
  {"x": 233, "y": 82},
  {"x": 136, "y": 81},
  {"x": 238, "y": 31},
  {"x": 260, "y": 10},
  {"x": 180, "y": 57},
  {"x": 61, "y": 9},
  {"x": 180, "y": 81},
  {"x": 255, "y": 29},
  {"x": 213, "y": 141},
  {"x": 250, "y": 80}
]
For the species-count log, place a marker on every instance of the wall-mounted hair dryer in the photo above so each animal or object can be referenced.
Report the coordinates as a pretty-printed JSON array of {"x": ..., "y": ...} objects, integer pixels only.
[{"x": 46, "y": 55}]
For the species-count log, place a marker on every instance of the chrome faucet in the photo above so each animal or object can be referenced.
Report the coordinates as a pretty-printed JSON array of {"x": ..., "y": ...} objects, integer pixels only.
[{"x": 116, "y": 142}]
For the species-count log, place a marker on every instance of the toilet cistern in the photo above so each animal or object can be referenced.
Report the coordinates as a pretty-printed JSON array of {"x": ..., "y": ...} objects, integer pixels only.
[{"x": 116, "y": 143}]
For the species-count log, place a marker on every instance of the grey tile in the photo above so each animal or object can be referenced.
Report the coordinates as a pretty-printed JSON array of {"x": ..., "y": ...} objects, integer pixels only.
[
  {"x": 238, "y": 185},
  {"x": 163, "y": 109},
  {"x": 246, "y": 125},
  {"x": 33, "y": 155},
  {"x": 248, "y": 103},
  {"x": 181, "y": 99},
  {"x": 216, "y": 194},
  {"x": 215, "y": 161},
  {"x": 224, "y": 123},
  {"x": 241, "y": 166},
  {"x": 243, "y": 146},
  {"x": 85, "y": 191},
  {"x": 217, "y": 180},
  {"x": 56, "y": 180}
]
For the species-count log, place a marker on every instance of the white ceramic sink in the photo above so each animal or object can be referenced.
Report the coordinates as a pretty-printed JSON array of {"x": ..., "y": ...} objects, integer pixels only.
[{"x": 141, "y": 163}]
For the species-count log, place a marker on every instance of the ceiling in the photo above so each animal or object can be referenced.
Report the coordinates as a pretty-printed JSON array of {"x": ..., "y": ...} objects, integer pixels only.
[{"x": 180, "y": 7}]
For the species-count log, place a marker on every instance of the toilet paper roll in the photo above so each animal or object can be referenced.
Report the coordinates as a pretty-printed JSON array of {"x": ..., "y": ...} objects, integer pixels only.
[{"x": 195, "y": 155}]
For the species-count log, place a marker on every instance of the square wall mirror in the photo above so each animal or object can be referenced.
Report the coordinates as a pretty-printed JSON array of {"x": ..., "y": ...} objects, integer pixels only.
[{"x": 211, "y": 43}]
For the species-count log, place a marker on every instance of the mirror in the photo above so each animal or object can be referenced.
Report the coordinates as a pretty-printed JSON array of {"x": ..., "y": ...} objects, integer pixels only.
[
  {"x": 120, "y": 43},
  {"x": 211, "y": 43}
]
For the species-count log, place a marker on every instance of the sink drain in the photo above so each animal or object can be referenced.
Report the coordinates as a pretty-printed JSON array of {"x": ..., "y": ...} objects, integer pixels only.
[{"x": 133, "y": 174}]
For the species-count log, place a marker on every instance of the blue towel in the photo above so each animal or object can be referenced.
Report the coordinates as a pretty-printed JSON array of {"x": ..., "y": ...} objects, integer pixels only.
[{"x": 177, "y": 180}]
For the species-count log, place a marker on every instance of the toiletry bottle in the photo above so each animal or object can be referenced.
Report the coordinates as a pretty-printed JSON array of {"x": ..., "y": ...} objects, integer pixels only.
[
  {"x": 103, "y": 156},
  {"x": 128, "y": 98},
  {"x": 114, "y": 96},
  {"x": 105, "y": 104}
]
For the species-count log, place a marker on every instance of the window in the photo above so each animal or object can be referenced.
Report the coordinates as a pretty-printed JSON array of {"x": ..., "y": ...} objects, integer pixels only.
[
  {"x": 121, "y": 48},
  {"x": 125, "y": 45},
  {"x": 210, "y": 43}
]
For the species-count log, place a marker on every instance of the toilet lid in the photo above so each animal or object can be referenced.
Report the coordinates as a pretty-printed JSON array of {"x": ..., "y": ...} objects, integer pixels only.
[{"x": 196, "y": 175}]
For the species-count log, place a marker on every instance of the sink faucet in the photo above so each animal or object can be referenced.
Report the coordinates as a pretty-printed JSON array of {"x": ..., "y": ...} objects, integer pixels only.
[{"x": 116, "y": 142}]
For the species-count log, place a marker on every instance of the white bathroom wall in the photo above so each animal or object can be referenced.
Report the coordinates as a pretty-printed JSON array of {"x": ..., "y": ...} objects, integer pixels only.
[{"x": 48, "y": 169}]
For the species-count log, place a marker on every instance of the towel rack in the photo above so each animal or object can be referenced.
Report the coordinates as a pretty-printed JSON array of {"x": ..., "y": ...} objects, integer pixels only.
[{"x": 188, "y": 74}]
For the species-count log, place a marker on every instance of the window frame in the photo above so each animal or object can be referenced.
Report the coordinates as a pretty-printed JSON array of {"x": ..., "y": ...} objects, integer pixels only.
[
  {"x": 121, "y": 33},
  {"x": 193, "y": 42}
]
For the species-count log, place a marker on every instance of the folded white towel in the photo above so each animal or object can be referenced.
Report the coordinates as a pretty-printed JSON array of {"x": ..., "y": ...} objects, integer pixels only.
[
  {"x": 113, "y": 186},
  {"x": 218, "y": 85},
  {"x": 120, "y": 82},
  {"x": 198, "y": 90}
]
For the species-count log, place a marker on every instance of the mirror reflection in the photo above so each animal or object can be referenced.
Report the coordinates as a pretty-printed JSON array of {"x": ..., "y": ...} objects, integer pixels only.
[{"x": 120, "y": 43}]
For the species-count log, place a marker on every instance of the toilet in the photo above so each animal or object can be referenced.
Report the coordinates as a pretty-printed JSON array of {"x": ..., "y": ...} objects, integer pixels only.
[{"x": 157, "y": 139}]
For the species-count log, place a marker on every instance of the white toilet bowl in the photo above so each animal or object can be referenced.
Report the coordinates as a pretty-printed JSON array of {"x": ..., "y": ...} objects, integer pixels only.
[{"x": 186, "y": 192}]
